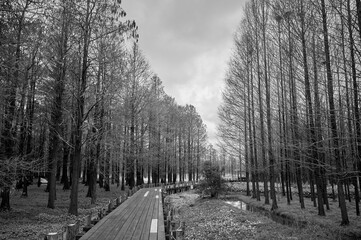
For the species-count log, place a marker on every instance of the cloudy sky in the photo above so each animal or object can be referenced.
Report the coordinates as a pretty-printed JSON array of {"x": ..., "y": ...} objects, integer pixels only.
[{"x": 188, "y": 44}]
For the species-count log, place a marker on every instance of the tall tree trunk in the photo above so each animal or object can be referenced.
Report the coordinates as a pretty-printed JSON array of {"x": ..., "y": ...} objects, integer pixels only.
[
  {"x": 261, "y": 113},
  {"x": 92, "y": 167},
  {"x": 21, "y": 116},
  {"x": 310, "y": 117},
  {"x": 140, "y": 164},
  {"x": 64, "y": 175},
  {"x": 30, "y": 116},
  {"x": 358, "y": 163},
  {"x": 356, "y": 101},
  {"x": 8, "y": 134},
  {"x": 107, "y": 157},
  {"x": 342, "y": 202},
  {"x": 56, "y": 111},
  {"x": 294, "y": 119},
  {"x": 247, "y": 137},
  {"x": 82, "y": 83},
  {"x": 280, "y": 99},
  {"x": 124, "y": 157},
  {"x": 255, "y": 156},
  {"x": 268, "y": 110},
  {"x": 320, "y": 161}
]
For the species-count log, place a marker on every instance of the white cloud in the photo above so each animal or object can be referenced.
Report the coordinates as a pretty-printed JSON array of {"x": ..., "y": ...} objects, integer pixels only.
[{"x": 188, "y": 44}]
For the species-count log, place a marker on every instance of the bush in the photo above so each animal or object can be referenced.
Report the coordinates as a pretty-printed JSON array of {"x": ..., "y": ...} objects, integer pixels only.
[{"x": 213, "y": 183}]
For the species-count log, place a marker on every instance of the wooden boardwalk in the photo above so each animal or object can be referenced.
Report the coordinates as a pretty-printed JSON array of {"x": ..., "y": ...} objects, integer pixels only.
[{"x": 139, "y": 217}]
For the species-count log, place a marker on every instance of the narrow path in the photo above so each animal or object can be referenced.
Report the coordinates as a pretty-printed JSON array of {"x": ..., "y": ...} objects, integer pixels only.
[{"x": 139, "y": 217}]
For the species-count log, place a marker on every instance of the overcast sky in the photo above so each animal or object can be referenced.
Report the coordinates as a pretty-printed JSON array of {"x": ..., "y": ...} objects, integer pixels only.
[{"x": 188, "y": 44}]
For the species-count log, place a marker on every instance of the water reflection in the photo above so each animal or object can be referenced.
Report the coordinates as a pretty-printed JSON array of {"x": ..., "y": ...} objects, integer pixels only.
[
  {"x": 238, "y": 204},
  {"x": 270, "y": 214}
]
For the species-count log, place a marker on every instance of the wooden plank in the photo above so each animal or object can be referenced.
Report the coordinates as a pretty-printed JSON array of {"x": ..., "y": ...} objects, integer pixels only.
[
  {"x": 122, "y": 232},
  {"x": 161, "y": 230},
  {"x": 153, "y": 234},
  {"x": 140, "y": 217},
  {"x": 139, "y": 227},
  {"x": 125, "y": 232},
  {"x": 107, "y": 223},
  {"x": 148, "y": 219},
  {"x": 121, "y": 218}
]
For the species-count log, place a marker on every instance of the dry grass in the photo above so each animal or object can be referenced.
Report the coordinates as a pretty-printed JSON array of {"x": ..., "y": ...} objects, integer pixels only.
[{"x": 30, "y": 217}]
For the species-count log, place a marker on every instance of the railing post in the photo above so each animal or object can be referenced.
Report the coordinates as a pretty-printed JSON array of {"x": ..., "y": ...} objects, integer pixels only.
[
  {"x": 54, "y": 236},
  {"x": 110, "y": 206},
  {"x": 168, "y": 224},
  {"x": 180, "y": 232},
  {"x": 100, "y": 214},
  {"x": 72, "y": 230}
]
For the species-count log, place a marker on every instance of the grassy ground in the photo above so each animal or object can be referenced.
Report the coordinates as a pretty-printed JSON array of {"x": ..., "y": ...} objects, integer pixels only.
[
  {"x": 204, "y": 218},
  {"x": 211, "y": 219},
  {"x": 30, "y": 217},
  {"x": 331, "y": 221}
]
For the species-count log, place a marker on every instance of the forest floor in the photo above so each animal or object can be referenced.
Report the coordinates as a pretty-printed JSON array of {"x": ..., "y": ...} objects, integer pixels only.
[
  {"x": 308, "y": 215},
  {"x": 29, "y": 217},
  {"x": 216, "y": 219},
  {"x": 204, "y": 218}
]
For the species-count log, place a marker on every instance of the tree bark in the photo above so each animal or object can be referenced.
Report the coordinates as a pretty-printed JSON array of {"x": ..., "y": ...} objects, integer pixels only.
[
  {"x": 261, "y": 113},
  {"x": 57, "y": 108},
  {"x": 73, "y": 208},
  {"x": 5, "y": 196},
  {"x": 342, "y": 202},
  {"x": 356, "y": 101},
  {"x": 294, "y": 118},
  {"x": 269, "y": 115},
  {"x": 310, "y": 116}
]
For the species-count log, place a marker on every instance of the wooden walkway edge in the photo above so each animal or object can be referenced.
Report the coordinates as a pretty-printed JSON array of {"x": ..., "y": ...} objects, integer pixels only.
[{"x": 139, "y": 217}]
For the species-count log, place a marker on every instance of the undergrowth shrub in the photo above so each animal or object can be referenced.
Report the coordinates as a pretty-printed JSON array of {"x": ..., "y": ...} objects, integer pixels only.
[{"x": 212, "y": 183}]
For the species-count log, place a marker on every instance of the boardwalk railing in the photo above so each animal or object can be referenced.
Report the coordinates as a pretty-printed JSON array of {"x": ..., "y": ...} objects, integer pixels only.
[
  {"x": 178, "y": 187},
  {"x": 173, "y": 229},
  {"x": 69, "y": 232},
  {"x": 140, "y": 217},
  {"x": 72, "y": 231}
]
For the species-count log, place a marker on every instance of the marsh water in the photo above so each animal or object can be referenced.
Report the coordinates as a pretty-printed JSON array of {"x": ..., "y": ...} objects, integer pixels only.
[{"x": 283, "y": 219}]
